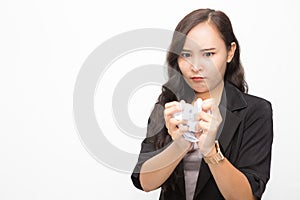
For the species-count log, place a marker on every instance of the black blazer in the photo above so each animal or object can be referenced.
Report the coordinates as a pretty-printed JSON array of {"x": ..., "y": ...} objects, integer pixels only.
[{"x": 245, "y": 138}]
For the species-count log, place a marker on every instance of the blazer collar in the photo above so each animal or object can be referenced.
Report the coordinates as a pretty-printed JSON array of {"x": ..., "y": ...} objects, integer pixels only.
[{"x": 232, "y": 100}]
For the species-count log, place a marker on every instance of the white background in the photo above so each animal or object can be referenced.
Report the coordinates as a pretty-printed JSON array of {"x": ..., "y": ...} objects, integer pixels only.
[{"x": 42, "y": 47}]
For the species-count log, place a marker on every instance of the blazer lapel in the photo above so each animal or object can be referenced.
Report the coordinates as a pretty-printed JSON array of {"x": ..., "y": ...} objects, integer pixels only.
[
  {"x": 231, "y": 100},
  {"x": 230, "y": 126}
]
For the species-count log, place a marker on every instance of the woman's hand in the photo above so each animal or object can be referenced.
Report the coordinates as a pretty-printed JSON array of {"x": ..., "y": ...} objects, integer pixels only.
[
  {"x": 209, "y": 122},
  {"x": 172, "y": 124}
]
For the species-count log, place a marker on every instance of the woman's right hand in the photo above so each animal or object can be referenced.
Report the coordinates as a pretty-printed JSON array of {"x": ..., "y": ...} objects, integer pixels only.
[
  {"x": 172, "y": 124},
  {"x": 156, "y": 170}
]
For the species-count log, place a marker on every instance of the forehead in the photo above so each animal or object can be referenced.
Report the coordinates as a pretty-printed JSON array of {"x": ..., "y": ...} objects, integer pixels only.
[{"x": 204, "y": 35}]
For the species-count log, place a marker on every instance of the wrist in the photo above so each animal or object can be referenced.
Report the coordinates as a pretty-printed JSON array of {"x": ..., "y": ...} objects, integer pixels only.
[
  {"x": 214, "y": 156},
  {"x": 183, "y": 143},
  {"x": 212, "y": 152}
]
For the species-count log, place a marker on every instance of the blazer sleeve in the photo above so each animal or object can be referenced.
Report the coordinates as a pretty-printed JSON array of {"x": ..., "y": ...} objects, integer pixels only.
[
  {"x": 156, "y": 124},
  {"x": 254, "y": 158}
]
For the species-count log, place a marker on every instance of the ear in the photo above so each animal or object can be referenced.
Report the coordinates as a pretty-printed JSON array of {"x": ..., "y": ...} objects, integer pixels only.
[{"x": 231, "y": 52}]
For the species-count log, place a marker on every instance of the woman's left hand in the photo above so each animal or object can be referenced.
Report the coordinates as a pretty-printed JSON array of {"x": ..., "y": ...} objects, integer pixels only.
[{"x": 209, "y": 121}]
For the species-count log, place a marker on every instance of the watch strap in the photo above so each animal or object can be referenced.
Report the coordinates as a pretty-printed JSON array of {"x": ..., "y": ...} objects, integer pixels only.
[{"x": 217, "y": 157}]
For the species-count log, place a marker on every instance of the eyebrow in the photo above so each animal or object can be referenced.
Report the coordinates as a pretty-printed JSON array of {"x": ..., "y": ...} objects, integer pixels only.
[{"x": 201, "y": 50}]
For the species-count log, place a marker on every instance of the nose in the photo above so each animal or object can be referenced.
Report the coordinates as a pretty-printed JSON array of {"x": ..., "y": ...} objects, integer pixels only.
[
  {"x": 196, "y": 65},
  {"x": 194, "y": 68}
]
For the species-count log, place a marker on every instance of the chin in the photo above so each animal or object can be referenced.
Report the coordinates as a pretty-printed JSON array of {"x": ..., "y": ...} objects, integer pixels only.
[{"x": 201, "y": 90}]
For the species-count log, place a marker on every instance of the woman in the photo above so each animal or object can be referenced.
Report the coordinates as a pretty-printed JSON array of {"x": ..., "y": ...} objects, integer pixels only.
[{"x": 231, "y": 154}]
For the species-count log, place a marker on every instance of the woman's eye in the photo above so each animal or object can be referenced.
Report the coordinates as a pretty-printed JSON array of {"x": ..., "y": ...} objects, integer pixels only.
[
  {"x": 186, "y": 55},
  {"x": 208, "y": 54}
]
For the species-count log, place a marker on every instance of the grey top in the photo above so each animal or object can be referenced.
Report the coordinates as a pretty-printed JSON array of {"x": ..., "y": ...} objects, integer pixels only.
[{"x": 191, "y": 165}]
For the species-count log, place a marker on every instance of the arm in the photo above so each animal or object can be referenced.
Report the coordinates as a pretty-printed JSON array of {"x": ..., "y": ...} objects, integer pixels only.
[
  {"x": 156, "y": 170},
  {"x": 246, "y": 179},
  {"x": 232, "y": 183}
]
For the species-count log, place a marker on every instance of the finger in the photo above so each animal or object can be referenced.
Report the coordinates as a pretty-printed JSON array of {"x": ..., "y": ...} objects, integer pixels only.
[
  {"x": 176, "y": 132},
  {"x": 169, "y": 112},
  {"x": 183, "y": 128},
  {"x": 175, "y": 122},
  {"x": 202, "y": 126},
  {"x": 209, "y": 127},
  {"x": 204, "y": 116},
  {"x": 172, "y": 124},
  {"x": 208, "y": 104},
  {"x": 171, "y": 104}
]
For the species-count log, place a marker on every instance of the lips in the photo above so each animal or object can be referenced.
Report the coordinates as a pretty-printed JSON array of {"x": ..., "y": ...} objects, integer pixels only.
[{"x": 198, "y": 78}]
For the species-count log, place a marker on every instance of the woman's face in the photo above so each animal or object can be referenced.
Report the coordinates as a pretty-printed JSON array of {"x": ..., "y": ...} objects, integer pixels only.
[{"x": 203, "y": 58}]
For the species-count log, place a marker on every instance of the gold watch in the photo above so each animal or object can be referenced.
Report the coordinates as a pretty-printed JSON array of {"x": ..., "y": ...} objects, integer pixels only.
[{"x": 217, "y": 157}]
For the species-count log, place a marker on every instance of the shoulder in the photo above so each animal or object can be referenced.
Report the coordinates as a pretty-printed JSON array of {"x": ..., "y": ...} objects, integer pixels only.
[
  {"x": 237, "y": 101},
  {"x": 257, "y": 104},
  {"x": 253, "y": 100},
  {"x": 257, "y": 114},
  {"x": 245, "y": 105}
]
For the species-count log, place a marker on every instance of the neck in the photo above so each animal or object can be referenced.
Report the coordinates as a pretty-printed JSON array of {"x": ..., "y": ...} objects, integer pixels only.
[{"x": 215, "y": 93}]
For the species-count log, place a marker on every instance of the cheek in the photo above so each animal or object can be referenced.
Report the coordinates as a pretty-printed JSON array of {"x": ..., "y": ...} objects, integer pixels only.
[
  {"x": 183, "y": 65},
  {"x": 220, "y": 66}
]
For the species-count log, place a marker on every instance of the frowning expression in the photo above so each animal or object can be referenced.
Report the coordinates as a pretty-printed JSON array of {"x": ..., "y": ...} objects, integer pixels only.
[{"x": 204, "y": 57}]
